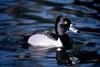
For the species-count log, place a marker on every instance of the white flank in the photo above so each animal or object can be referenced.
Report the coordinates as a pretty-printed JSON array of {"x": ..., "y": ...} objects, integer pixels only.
[{"x": 43, "y": 41}]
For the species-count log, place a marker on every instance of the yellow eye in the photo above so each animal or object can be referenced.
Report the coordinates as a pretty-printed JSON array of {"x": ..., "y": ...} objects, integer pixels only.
[{"x": 65, "y": 22}]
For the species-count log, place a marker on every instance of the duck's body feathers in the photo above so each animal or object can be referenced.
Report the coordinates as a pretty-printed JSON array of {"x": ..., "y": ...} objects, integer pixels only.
[{"x": 43, "y": 40}]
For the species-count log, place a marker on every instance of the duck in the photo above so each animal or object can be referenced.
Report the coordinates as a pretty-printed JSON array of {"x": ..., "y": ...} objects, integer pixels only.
[{"x": 48, "y": 39}]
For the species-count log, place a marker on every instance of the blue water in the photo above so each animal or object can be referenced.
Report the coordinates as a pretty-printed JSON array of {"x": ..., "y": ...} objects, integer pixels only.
[{"x": 23, "y": 17}]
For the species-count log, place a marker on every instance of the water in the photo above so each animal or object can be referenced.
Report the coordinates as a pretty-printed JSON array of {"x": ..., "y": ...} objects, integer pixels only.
[{"x": 18, "y": 17}]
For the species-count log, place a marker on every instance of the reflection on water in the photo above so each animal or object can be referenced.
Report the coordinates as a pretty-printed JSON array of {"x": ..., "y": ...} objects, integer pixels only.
[{"x": 18, "y": 17}]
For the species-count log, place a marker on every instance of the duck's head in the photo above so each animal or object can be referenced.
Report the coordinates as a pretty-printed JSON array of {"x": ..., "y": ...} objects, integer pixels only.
[
  {"x": 62, "y": 24},
  {"x": 64, "y": 21}
]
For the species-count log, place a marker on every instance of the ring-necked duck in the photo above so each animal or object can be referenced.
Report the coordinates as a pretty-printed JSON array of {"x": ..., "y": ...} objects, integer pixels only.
[{"x": 57, "y": 39}]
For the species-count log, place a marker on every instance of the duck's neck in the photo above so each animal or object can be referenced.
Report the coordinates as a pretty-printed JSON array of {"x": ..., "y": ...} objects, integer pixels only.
[{"x": 59, "y": 28}]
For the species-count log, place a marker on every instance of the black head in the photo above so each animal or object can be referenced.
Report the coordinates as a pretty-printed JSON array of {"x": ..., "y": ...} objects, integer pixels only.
[
  {"x": 67, "y": 22},
  {"x": 64, "y": 22}
]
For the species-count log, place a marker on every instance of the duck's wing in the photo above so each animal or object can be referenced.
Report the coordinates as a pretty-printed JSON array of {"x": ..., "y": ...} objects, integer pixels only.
[{"x": 52, "y": 36}]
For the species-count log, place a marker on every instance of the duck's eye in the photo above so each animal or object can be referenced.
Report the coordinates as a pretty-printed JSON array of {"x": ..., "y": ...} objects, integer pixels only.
[{"x": 65, "y": 22}]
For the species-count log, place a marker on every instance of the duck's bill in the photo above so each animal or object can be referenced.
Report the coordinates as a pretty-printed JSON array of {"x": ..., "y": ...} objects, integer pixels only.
[{"x": 73, "y": 29}]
